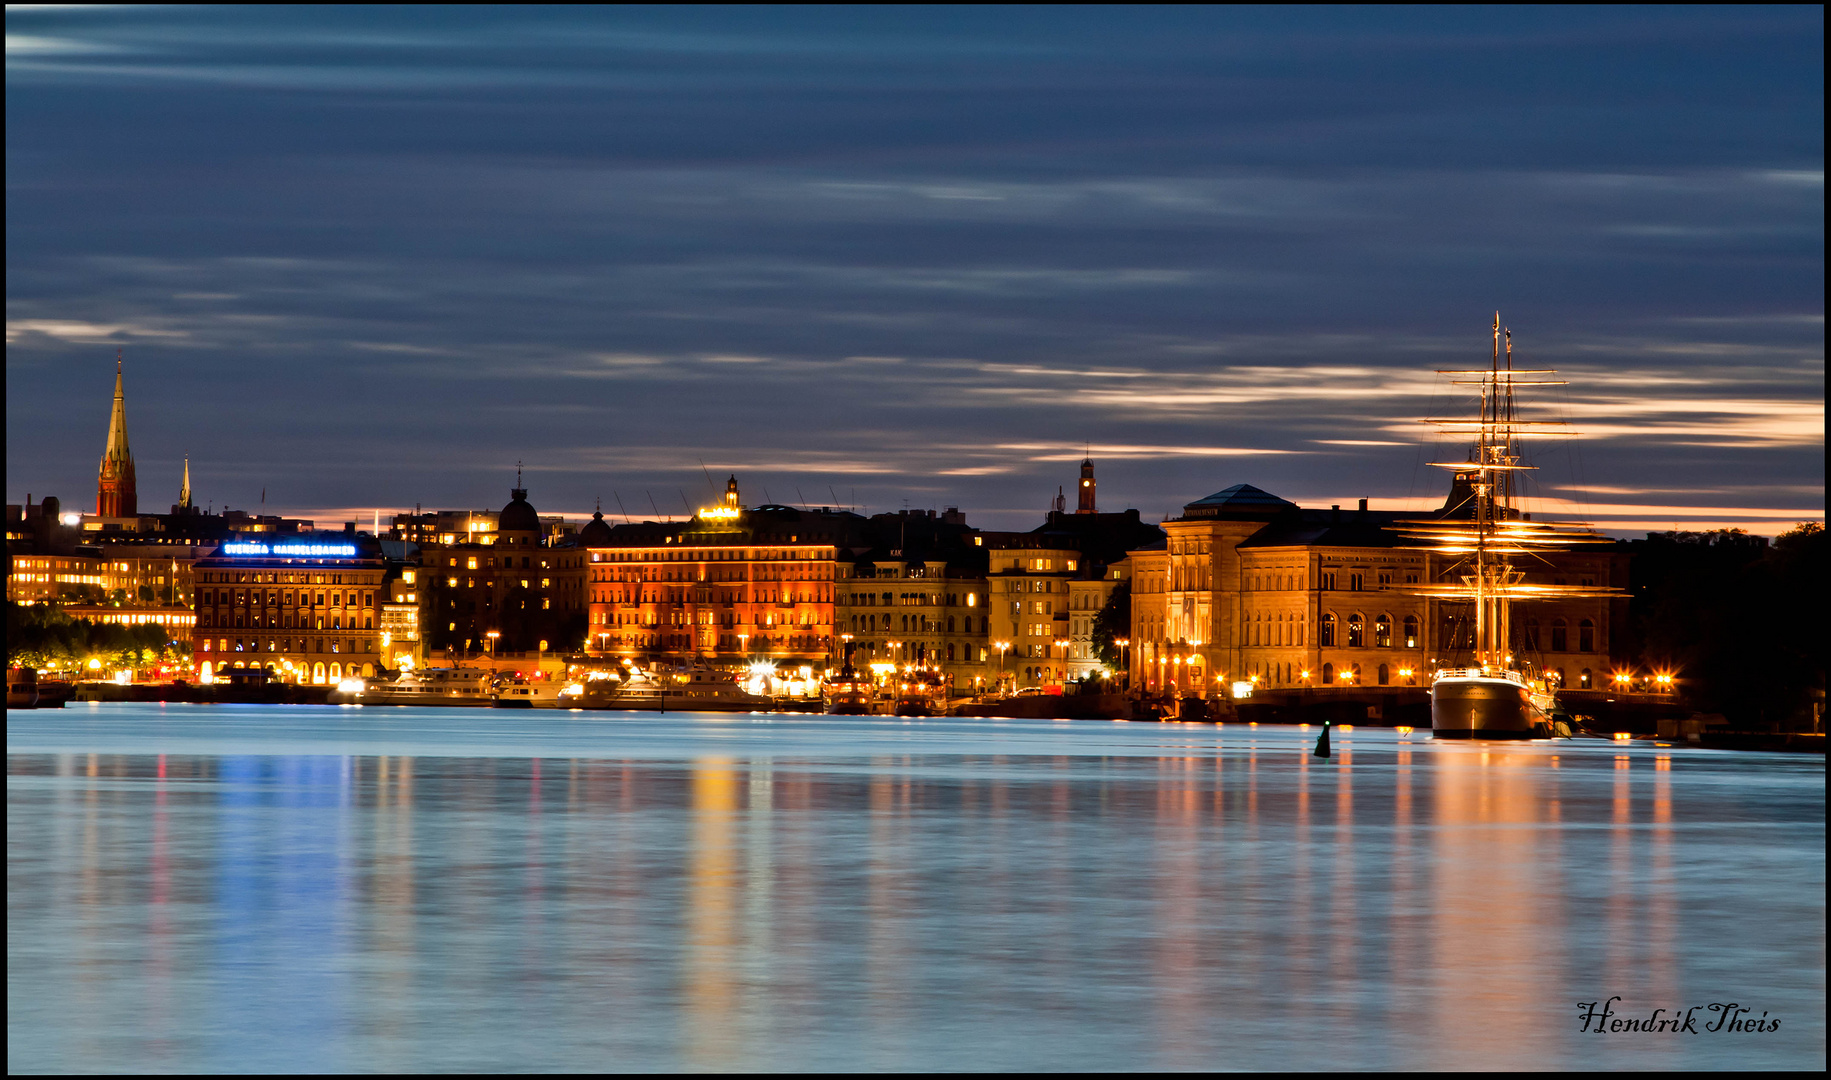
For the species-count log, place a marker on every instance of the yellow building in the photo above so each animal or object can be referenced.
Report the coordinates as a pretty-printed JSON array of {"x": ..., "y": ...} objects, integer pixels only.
[{"x": 1251, "y": 588}]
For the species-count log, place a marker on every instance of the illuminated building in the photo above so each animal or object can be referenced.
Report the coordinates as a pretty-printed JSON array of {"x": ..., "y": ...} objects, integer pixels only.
[
  {"x": 731, "y": 585},
  {"x": 115, "y": 492},
  {"x": 304, "y": 607},
  {"x": 1250, "y": 587},
  {"x": 506, "y": 593},
  {"x": 917, "y": 598},
  {"x": 37, "y": 579}
]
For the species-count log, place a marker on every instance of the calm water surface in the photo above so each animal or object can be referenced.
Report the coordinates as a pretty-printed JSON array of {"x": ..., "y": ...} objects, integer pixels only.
[{"x": 222, "y": 888}]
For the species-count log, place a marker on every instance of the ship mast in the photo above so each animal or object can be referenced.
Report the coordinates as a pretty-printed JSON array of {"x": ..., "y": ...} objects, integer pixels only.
[{"x": 1495, "y": 532}]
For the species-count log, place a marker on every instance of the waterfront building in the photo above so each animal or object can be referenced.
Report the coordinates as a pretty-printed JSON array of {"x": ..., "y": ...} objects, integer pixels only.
[
  {"x": 731, "y": 585},
  {"x": 917, "y": 597},
  {"x": 116, "y": 494},
  {"x": 303, "y": 607},
  {"x": 1248, "y": 587},
  {"x": 509, "y": 593}
]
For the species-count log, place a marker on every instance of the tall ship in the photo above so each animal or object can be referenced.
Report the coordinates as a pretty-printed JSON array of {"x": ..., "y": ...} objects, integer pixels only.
[{"x": 1487, "y": 541}]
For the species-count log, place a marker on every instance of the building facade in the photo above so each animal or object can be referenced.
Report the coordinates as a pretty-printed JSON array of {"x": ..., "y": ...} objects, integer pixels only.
[
  {"x": 1251, "y": 588},
  {"x": 730, "y": 586},
  {"x": 305, "y": 608},
  {"x": 509, "y": 593}
]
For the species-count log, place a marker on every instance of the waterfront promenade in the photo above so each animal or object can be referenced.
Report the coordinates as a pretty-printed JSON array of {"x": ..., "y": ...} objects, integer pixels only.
[{"x": 229, "y": 888}]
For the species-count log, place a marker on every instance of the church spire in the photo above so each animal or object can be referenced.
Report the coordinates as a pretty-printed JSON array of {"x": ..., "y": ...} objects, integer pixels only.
[
  {"x": 115, "y": 493},
  {"x": 184, "y": 493}
]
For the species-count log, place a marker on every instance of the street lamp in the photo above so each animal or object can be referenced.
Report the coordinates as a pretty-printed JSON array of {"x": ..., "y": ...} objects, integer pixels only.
[
  {"x": 1123, "y": 666},
  {"x": 492, "y": 636},
  {"x": 1001, "y": 646},
  {"x": 1064, "y": 646}
]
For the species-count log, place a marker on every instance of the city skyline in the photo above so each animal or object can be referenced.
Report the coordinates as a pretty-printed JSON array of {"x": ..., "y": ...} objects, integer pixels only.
[{"x": 1204, "y": 248}]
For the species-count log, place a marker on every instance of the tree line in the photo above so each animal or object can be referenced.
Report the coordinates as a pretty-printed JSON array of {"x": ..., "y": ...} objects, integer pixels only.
[{"x": 44, "y": 636}]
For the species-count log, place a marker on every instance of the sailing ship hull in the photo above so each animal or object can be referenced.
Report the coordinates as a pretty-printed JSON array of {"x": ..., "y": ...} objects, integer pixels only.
[{"x": 1485, "y": 709}]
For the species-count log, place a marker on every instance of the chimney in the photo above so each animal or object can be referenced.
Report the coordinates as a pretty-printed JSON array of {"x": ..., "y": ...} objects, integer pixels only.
[
  {"x": 1363, "y": 506},
  {"x": 1335, "y": 514}
]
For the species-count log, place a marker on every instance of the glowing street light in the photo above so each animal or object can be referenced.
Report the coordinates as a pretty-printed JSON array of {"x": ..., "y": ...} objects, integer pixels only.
[{"x": 492, "y": 636}]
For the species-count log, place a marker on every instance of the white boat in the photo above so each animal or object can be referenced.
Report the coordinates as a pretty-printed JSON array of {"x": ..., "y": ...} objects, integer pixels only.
[
  {"x": 696, "y": 689},
  {"x": 431, "y": 686},
  {"x": 517, "y": 694}
]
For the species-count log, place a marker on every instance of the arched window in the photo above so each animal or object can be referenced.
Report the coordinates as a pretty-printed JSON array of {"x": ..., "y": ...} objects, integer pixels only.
[
  {"x": 1560, "y": 635},
  {"x": 950, "y": 627},
  {"x": 1357, "y": 675},
  {"x": 1557, "y": 677},
  {"x": 1411, "y": 631},
  {"x": 1584, "y": 679},
  {"x": 1327, "y": 637},
  {"x": 318, "y": 672},
  {"x": 1586, "y": 636},
  {"x": 1328, "y": 672},
  {"x": 1385, "y": 676},
  {"x": 1382, "y": 634},
  {"x": 950, "y": 652},
  {"x": 1281, "y": 635},
  {"x": 1356, "y": 631}
]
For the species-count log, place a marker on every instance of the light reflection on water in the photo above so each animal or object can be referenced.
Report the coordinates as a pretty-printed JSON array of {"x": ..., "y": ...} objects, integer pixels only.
[{"x": 193, "y": 888}]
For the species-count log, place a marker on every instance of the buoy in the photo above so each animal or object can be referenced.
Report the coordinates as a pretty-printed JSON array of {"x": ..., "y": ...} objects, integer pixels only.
[{"x": 1322, "y": 741}]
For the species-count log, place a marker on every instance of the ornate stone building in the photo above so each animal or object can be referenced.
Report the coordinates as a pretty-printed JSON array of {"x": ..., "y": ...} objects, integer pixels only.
[{"x": 1250, "y": 587}]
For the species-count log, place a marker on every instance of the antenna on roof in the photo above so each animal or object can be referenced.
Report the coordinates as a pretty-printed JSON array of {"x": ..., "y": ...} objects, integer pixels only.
[{"x": 518, "y": 475}]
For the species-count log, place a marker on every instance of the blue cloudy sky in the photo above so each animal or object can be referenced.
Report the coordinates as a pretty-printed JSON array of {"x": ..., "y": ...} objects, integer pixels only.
[{"x": 371, "y": 258}]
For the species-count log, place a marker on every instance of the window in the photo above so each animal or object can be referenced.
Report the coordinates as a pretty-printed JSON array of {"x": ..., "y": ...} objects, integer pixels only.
[
  {"x": 1356, "y": 632},
  {"x": 1384, "y": 675},
  {"x": 1385, "y": 578},
  {"x": 1560, "y": 635},
  {"x": 1328, "y": 670},
  {"x": 1327, "y": 638},
  {"x": 1411, "y": 631},
  {"x": 1356, "y": 581},
  {"x": 1583, "y": 679},
  {"x": 1382, "y": 635},
  {"x": 1586, "y": 640},
  {"x": 1328, "y": 581}
]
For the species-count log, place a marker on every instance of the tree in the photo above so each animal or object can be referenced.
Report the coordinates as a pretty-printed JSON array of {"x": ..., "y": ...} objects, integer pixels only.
[
  {"x": 1740, "y": 621},
  {"x": 1113, "y": 623}
]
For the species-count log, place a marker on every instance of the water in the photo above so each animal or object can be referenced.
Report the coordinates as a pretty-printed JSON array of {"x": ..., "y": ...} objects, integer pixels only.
[{"x": 222, "y": 888}]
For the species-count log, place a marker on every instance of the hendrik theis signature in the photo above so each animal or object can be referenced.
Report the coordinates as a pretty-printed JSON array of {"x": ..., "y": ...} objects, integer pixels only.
[{"x": 1730, "y": 1016}]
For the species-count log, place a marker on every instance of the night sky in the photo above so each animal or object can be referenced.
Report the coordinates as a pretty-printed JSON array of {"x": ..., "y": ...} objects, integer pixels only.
[{"x": 366, "y": 258}]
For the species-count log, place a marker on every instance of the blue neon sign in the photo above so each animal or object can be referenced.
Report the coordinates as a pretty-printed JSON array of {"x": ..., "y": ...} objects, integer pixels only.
[{"x": 297, "y": 551}]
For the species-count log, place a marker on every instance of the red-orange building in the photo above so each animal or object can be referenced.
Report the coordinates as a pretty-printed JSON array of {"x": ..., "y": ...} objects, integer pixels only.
[{"x": 728, "y": 586}]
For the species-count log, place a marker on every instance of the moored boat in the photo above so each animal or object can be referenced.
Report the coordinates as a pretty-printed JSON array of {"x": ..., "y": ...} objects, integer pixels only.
[
  {"x": 431, "y": 686},
  {"x": 1497, "y": 696}
]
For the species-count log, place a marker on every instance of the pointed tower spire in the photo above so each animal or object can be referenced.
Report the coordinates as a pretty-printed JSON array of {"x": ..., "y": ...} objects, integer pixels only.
[
  {"x": 184, "y": 493},
  {"x": 115, "y": 492}
]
